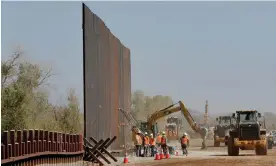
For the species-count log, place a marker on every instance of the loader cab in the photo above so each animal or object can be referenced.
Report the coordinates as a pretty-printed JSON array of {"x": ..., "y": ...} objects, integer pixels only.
[
  {"x": 223, "y": 125},
  {"x": 171, "y": 126},
  {"x": 224, "y": 120},
  {"x": 246, "y": 116},
  {"x": 173, "y": 120},
  {"x": 248, "y": 127}
]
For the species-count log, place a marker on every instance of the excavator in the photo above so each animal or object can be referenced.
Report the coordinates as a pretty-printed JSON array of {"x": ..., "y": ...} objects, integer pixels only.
[{"x": 151, "y": 124}]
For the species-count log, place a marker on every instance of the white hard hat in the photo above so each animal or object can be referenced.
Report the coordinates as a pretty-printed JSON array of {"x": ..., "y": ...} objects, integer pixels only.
[
  {"x": 185, "y": 134},
  {"x": 146, "y": 133}
]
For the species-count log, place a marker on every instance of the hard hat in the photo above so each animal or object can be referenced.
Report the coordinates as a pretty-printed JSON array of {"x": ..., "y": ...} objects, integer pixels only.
[
  {"x": 151, "y": 134},
  {"x": 185, "y": 134},
  {"x": 163, "y": 133},
  {"x": 146, "y": 133}
]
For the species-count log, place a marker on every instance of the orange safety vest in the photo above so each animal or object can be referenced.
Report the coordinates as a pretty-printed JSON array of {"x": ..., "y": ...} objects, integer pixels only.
[
  {"x": 184, "y": 140},
  {"x": 158, "y": 140},
  {"x": 152, "y": 141},
  {"x": 163, "y": 140},
  {"x": 146, "y": 139}
]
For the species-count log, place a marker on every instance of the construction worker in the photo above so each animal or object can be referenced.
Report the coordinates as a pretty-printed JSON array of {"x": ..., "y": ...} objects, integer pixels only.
[
  {"x": 158, "y": 140},
  {"x": 164, "y": 142},
  {"x": 152, "y": 145},
  {"x": 184, "y": 140},
  {"x": 204, "y": 132},
  {"x": 146, "y": 144},
  {"x": 138, "y": 143}
]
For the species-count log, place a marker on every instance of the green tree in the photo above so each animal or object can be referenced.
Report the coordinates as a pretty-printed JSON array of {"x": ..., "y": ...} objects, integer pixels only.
[
  {"x": 25, "y": 103},
  {"x": 143, "y": 106},
  {"x": 138, "y": 104},
  {"x": 20, "y": 87},
  {"x": 68, "y": 117}
]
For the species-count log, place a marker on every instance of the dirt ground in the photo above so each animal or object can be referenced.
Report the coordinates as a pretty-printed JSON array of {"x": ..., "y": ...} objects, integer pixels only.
[{"x": 212, "y": 156}]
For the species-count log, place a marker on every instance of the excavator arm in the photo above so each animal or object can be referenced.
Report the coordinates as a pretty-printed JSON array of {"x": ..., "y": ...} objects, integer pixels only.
[
  {"x": 160, "y": 114},
  {"x": 202, "y": 131}
]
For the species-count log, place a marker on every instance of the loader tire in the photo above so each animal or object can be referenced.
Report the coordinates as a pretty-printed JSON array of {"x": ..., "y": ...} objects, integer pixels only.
[
  {"x": 216, "y": 143},
  {"x": 232, "y": 149},
  {"x": 225, "y": 143},
  {"x": 261, "y": 151}
]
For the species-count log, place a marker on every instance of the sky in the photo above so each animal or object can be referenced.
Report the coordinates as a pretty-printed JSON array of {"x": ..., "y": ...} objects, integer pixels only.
[{"x": 224, "y": 52}]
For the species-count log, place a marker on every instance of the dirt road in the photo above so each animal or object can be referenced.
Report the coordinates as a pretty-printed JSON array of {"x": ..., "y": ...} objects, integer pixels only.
[{"x": 212, "y": 156}]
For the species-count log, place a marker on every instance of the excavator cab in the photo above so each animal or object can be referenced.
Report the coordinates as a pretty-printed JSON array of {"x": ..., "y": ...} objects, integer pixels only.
[
  {"x": 155, "y": 130},
  {"x": 144, "y": 128}
]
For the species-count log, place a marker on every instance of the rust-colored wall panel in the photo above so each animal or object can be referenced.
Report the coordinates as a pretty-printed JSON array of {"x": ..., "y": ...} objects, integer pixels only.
[
  {"x": 106, "y": 80},
  {"x": 90, "y": 74},
  {"x": 15, "y": 147},
  {"x": 127, "y": 88},
  {"x": 121, "y": 94},
  {"x": 113, "y": 105}
]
